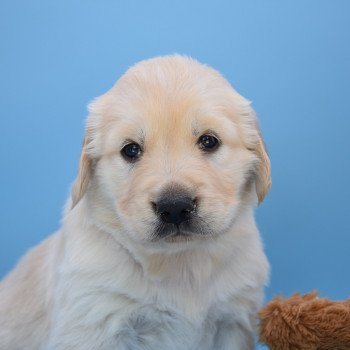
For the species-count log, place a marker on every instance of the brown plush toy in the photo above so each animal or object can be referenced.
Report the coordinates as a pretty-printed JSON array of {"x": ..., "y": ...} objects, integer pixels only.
[{"x": 305, "y": 323}]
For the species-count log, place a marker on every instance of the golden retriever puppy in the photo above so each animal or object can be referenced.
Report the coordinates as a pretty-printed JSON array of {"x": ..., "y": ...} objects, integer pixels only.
[{"x": 158, "y": 247}]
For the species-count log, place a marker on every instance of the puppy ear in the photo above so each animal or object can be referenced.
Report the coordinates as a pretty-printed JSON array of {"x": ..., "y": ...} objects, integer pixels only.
[
  {"x": 263, "y": 174},
  {"x": 81, "y": 182}
]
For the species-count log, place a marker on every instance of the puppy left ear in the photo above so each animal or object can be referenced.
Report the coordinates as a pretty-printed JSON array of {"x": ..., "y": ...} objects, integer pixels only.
[
  {"x": 81, "y": 183},
  {"x": 263, "y": 175}
]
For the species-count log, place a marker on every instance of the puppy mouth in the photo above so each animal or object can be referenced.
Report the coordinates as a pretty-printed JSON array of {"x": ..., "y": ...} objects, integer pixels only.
[{"x": 185, "y": 231}]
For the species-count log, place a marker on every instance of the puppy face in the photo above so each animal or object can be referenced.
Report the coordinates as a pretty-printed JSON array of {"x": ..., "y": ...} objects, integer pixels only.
[{"x": 171, "y": 153}]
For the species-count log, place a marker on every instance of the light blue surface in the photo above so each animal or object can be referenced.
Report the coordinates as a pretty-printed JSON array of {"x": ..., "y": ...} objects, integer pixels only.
[{"x": 292, "y": 59}]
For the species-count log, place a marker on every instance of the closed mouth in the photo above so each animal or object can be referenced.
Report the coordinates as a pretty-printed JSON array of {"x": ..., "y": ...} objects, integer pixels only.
[
  {"x": 180, "y": 236},
  {"x": 173, "y": 232},
  {"x": 185, "y": 232}
]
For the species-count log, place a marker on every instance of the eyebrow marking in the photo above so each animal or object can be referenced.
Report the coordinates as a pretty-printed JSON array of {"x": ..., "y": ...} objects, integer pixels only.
[
  {"x": 195, "y": 130},
  {"x": 142, "y": 137}
]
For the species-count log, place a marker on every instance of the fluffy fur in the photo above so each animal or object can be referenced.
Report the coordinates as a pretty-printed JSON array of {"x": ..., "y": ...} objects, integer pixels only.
[
  {"x": 305, "y": 323},
  {"x": 103, "y": 281}
]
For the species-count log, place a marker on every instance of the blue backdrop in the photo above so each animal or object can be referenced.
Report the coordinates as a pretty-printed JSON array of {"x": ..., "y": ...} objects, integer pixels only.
[{"x": 291, "y": 58}]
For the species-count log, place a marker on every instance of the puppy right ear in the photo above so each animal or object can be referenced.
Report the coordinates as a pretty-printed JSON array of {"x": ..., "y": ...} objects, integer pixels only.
[
  {"x": 84, "y": 172},
  {"x": 263, "y": 178}
]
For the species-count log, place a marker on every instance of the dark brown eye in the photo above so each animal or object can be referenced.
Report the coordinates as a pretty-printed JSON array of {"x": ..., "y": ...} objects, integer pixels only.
[
  {"x": 208, "y": 143},
  {"x": 131, "y": 151}
]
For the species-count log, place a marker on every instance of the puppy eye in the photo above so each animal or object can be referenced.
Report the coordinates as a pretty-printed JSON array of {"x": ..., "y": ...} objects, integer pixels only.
[
  {"x": 131, "y": 151},
  {"x": 208, "y": 143}
]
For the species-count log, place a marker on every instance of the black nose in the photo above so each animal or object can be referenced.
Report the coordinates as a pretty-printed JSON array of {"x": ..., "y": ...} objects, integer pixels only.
[{"x": 175, "y": 209}]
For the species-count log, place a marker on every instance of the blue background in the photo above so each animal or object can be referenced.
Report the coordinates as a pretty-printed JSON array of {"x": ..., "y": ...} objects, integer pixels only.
[{"x": 291, "y": 58}]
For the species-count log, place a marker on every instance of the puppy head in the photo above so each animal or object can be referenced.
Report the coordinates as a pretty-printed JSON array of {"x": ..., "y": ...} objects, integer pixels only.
[{"x": 171, "y": 153}]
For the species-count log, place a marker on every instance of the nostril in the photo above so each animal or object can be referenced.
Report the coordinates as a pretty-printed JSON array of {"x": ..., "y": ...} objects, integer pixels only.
[
  {"x": 193, "y": 206},
  {"x": 195, "y": 202},
  {"x": 154, "y": 206}
]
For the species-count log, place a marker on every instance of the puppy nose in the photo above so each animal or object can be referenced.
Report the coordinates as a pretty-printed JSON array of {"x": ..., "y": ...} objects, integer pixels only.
[{"x": 175, "y": 210}]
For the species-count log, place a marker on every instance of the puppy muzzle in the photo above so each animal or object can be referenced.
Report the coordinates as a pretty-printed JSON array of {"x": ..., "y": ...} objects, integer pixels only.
[{"x": 176, "y": 211}]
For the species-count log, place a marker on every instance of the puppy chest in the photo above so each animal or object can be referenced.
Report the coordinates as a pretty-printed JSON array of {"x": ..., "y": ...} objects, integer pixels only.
[{"x": 149, "y": 328}]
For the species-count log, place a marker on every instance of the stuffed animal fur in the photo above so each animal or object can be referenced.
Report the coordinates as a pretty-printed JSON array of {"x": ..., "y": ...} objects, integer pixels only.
[{"x": 305, "y": 323}]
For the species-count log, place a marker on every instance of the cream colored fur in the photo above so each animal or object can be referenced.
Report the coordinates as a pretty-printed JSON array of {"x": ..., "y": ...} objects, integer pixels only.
[{"x": 102, "y": 282}]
